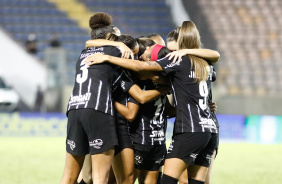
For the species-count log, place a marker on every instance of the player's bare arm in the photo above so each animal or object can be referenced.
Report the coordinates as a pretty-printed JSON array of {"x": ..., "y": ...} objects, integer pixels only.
[
  {"x": 211, "y": 56},
  {"x": 126, "y": 52},
  {"x": 129, "y": 112},
  {"x": 130, "y": 64}
]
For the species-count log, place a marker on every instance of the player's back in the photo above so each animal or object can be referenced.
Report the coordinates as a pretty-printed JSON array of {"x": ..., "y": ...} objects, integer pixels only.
[{"x": 93, "y": 84}]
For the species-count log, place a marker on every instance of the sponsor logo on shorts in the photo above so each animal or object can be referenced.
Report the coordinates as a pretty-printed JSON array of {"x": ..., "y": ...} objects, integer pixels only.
[
  {"x": 209, "y": 157},
  {"x": 138, "y": 159},
  {"x": 71, "y": 143},
  {"x": 160, "y": 160},
  {"x": 97, "y": 143},
  {"x": 194, "y": 155}
]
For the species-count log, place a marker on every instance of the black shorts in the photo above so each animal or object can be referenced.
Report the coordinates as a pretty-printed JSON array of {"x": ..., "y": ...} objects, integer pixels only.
[
  {"x": 148, "y": 157},
  {"x": 193, "y": 148},
  {"x": 124, "y": 139},
  {"x": 90, "y": 132}
]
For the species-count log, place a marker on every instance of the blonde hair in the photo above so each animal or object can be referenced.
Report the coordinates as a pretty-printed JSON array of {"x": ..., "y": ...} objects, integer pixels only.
[{"x": 189, "y": 38}]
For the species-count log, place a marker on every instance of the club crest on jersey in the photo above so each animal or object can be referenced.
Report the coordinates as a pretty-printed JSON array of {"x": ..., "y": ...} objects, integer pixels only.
[
  {"x": 97, "y": 143},
  {"x": 138, "y": 159},
  {"x": 71, "y": 143}
]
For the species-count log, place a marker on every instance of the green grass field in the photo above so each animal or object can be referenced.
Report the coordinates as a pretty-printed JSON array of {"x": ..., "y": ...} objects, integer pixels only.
[{"x": 40, "y": 160}]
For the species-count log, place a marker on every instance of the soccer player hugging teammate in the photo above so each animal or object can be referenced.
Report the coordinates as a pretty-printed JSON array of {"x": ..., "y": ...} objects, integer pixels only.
[
  {"x": 208, "y": 55},
  {"x": 91, "y": 122},
  {"x": 123, "y": 164},
  {"x": 195, "y": 132}
]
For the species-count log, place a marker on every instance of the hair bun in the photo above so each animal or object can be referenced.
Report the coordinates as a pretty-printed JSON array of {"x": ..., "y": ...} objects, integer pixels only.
[{"x": 100, "y": 20}]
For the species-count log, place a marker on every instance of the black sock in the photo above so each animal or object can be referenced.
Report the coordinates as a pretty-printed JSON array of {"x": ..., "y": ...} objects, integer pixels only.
[
  {"x": 168, "y": 180},
  {"x": 192, "y": 181},
  {"x": 159, "y": 178},
  {"x": 81, "y": 182}
]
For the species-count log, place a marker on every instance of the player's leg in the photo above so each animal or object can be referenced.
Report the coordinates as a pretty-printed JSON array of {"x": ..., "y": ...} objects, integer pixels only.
[
  {"x": 123, "y": 166},
  {"x": 173, "y": 168},
  {"x": 101, "y": 165},
  {"x": 148, "y": 177},
  {"x": 160, "y": 175},
  {"x": 208, "y": 177},
  {"x": 112, "y": 178},
  {"x": 73, "y": 165},
  {"x": 183, "y": 179},
  {"x": 85, "y": 175}
]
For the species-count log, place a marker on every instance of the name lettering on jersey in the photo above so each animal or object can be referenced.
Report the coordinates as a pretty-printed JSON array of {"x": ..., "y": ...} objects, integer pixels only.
[
  {"x": 192, "y": 75},
  {"x": 207, "y": 123},
  {"x": 88, "y": 54},
  {"x": 80, "y": 99},
  {"x": 93, "y": 49}
]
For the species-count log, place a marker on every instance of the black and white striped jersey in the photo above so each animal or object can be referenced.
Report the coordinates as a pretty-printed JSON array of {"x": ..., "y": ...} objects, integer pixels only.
[
  {"x": 192, "y": 110},
  {"x": 93, "y": 84},
  {"x": 212, "y": 78},
  {"x": 149, "y": 126}
]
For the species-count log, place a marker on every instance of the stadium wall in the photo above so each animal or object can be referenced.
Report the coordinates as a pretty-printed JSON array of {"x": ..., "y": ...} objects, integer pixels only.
[
  {"x": 256, "y": 129},
  {"x": 21, "y": 70}
]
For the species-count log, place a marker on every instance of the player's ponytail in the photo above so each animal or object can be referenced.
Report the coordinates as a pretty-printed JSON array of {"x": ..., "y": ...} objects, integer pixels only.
[
  {"x": 100, "y": 24},
  {"x": 189, "y": 38}
]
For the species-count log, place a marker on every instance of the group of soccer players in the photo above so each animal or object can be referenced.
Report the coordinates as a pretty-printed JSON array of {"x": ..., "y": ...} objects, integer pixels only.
[{"x": 124, "y": 91}]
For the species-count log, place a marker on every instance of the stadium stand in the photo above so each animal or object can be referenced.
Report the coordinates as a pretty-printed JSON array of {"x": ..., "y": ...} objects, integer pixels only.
[
  {"x": 249, "y": 40},
  {"x": 44, "y": 18}
]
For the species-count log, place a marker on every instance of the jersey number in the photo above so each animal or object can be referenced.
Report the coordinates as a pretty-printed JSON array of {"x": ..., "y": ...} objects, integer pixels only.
[
  {"x": 159, "y": 104},
  {"x": 203, "y": 89},
  {"x": 80, "y": 78}
]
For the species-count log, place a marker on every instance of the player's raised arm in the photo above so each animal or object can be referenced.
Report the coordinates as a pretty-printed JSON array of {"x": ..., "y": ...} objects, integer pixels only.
[
  {"x": 134, "y": 65},
  {"x": 211, "y": 56}
]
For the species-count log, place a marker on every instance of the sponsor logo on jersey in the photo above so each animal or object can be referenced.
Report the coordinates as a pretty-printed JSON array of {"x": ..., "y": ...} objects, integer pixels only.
[
  {"x": 156, "y": 133},
  {"x": 71, "y": 143},
  {"x": 97, "y": 143},
  {"x": 80, "y": 99},
  {"x": 138, "y": 159},
  {"x": 207, "y": 123}
]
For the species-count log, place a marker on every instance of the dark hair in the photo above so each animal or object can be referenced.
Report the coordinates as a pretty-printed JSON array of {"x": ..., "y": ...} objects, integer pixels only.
[
  {"x": 129, "y": 41},
  {"x": 143, "y": 43},
  {"x": 163, "y": 52},
  {"x": 151, "y": 35},
  {"x": 173, "y": 35},
  {"x": 100, "y": 23}
]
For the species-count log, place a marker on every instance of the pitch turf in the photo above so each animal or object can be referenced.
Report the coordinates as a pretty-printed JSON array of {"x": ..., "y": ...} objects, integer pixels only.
[{"x": 40, "y": 160}]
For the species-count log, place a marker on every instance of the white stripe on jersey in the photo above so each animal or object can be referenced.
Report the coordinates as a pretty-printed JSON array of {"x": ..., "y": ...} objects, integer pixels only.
[
  {"x": 118, "y": 78},
  {"x": 107, "y": 103},
  {"x": 151, "y": 121},
  {"x": 88, "y": 90},
  {"x": 203, "y": 129},
  {"x": 173, "y": 90},
  {"x": 143, "y": 128},
  {"x": 98, "y": 96},
  {"x": 192, "y": 123},
  {"x": 70, "y": 98}
]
